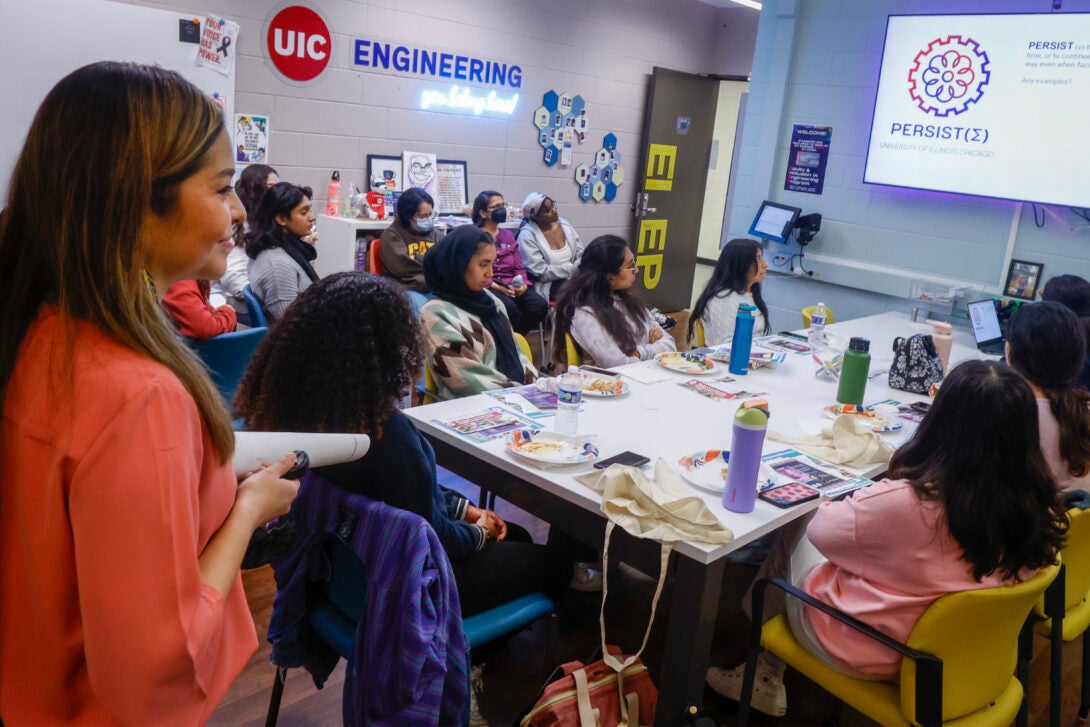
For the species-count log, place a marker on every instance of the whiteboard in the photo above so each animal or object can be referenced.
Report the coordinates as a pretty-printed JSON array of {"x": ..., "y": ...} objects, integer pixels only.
[{"x": 44, "y": 40}]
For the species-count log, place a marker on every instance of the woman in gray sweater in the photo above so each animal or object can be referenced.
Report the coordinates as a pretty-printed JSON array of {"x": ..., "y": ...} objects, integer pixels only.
[{"x": 281, "y": 247}]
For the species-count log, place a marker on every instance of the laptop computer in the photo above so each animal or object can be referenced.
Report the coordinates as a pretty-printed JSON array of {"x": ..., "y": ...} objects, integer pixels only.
[{"x": 986, "y": 329}]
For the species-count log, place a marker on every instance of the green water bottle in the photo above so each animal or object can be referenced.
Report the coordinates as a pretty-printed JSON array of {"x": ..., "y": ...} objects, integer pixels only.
[{"x": 853, "y": 374}]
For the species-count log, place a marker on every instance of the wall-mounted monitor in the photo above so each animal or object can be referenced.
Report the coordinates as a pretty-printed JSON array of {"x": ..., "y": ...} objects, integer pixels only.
[
  {"x": 774, "y": 221},
  {"x": 987, "y": 105}
]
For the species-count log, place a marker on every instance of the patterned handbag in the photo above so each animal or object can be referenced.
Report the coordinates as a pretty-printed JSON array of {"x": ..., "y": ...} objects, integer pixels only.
[{"x": 916, "y": 364}]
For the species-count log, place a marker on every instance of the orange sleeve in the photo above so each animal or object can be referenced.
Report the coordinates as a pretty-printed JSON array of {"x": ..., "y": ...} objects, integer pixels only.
[
  {"x": 152, "y": 629},
  {"x": 193, "y": 315}
]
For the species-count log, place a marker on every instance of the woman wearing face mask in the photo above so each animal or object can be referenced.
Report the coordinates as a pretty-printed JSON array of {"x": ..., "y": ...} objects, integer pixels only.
[
  {"x": 405, "y": 241},
  {"x": 471, "y": 347},
  {"x": 550, "y": 246},
  {"x": 510, "y": 281},
  {"x": 281, "y": 245}
]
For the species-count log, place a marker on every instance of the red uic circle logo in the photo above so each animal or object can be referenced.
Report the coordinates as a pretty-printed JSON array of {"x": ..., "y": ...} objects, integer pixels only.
[{"x": 299, "y": 43}]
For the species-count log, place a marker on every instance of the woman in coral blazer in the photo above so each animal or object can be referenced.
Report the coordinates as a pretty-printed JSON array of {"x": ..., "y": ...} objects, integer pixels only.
[{"x": 122, "y": 525}]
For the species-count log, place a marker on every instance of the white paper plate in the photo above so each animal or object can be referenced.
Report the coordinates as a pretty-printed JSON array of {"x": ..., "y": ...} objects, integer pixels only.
[
  {"x": 589, "y": 379},
  {"x": 550, "y": 447},
  {"x": 689, "y": 364},
  {"x": 707, "y": 470},
  {"x": 873, "y": 417}
]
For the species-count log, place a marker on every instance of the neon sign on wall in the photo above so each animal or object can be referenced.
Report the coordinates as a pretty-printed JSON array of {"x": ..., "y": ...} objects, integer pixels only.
[{"x": 464, "y": 98}]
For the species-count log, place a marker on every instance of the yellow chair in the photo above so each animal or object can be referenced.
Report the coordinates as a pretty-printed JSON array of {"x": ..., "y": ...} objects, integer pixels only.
[
  {"x": 431, "y": 390},
  {"x": 573, "y": 357},
  {"x": 957, "y": 668},
  {"x": 698, "y": 333},
  {"x": 808, "y": 312},
  {"x": 1069, "y": 599}
]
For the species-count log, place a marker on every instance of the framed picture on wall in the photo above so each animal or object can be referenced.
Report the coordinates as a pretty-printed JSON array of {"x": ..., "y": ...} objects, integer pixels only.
[
  {"x": 387, "y": 169},
  {"x": 1023, "y": 280},
  {"x": 452, "y": 187},
  {"x": 418, "y": 170}
]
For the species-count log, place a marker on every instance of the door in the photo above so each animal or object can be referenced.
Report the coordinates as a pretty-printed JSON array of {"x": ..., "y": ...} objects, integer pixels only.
[{"x": 677, "y": 134}]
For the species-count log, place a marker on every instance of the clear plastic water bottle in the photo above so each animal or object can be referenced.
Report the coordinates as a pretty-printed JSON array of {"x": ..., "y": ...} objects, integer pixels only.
[
  {"x": 569, "y": 397},
  {"x": 817, "y": 328}
]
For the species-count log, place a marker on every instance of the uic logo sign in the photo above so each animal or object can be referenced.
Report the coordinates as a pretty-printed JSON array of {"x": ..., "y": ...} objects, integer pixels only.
[{"x": 299, "y": 43}]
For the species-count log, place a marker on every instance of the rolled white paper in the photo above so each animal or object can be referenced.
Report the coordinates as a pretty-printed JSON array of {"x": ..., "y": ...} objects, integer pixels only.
[{"x": 253, "y": 449}]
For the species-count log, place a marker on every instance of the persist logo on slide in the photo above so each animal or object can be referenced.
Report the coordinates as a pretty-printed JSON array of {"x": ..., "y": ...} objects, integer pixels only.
[{"x": 948, "y": 75}]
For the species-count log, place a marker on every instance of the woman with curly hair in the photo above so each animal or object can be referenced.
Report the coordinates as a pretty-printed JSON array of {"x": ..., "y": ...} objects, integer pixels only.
[
  {"x": 608, "y": 323},
  {"x": 361, "y": 327},
  {"x": 472, "y": 345},
  {"x": 281, "y": 245}
]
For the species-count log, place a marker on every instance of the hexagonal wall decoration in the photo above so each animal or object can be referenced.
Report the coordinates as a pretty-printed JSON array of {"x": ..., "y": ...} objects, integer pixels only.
[
  {"x": 561, "y": 118},
  {"x": 599, "y": 181}
]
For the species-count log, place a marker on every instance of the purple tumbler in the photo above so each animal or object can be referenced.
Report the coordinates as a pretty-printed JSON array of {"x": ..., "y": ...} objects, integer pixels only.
[{"x": 750, "y": 425}]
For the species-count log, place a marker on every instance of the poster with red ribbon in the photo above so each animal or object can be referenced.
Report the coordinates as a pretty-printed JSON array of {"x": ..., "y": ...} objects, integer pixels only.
[{"x": 219, "y": 41}]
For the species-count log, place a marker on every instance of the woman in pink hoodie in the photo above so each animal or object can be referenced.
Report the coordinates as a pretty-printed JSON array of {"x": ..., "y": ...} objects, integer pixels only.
[{"x": 970, "y": 503}]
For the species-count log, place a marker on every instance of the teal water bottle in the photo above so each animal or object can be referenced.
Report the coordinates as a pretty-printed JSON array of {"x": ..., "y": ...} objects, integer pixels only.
[
  {"x": 742, "y": 341},
  {"x": 853, "y": 374}
]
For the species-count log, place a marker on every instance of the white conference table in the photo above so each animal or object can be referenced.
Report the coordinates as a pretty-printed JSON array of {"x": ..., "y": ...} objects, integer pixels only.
[{"x": 665, "y": 420}]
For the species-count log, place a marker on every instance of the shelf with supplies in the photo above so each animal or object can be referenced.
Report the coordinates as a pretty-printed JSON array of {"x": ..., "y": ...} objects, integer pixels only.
[{"x": 342, "y": 241}]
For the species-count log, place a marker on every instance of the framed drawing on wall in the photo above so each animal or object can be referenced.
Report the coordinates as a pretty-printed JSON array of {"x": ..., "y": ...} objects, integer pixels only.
[
  {"x": 387, "y": 169},
  {"x": 452, "y": 187},
  {"x": 1023, "y": 280}
]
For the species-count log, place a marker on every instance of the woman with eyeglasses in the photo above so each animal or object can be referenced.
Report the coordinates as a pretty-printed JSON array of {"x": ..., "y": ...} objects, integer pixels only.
[
  {"x": 550, "y": 246},
  {"x": 510, "y": 281},
  {"x": 609, "y": 325},
  {"x": 404, "y": 242}
]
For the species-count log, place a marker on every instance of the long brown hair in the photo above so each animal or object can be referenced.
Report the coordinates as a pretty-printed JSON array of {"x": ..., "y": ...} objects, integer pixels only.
[
  {"x": 978, "y": 453},
  {"x": 110, "y": 141},
  {"x": 1048, "y": 347}
]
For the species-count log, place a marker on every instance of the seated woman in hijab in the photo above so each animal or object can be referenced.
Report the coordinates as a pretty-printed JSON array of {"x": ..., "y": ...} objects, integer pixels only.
[{"x": 471, "y": 346}]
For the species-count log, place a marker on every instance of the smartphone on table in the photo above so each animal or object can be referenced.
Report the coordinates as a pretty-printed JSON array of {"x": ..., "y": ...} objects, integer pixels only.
[
  {"x": 626, "y": 458},
  {"x": 789, "y": 495}
]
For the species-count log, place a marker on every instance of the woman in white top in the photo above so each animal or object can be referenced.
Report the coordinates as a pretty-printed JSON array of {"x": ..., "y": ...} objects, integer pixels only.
[
  {"x": 250, "y": 188},
  {"x": 609, "y": 325},
  {"x": 737, "y": 279},
  {"x": 549, "y": 245}
]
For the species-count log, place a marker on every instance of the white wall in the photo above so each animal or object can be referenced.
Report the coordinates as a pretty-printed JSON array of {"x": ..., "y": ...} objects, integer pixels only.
[
  {"x": 817, "y": 61},
  {"x": 602, "y": 49}
]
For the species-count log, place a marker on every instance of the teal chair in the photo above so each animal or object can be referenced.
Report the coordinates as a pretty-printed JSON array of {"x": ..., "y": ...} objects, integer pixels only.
[
  {"x": 227, "y": 356},
  {"x": 337, "y": 607},
  {"x": 258, "y": 318}
]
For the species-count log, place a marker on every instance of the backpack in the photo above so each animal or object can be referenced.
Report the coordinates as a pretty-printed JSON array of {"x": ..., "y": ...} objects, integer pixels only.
[{"x": 916, "y": 364}]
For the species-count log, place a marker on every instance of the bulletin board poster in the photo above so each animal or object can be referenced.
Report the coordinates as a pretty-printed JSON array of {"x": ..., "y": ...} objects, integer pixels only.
[
  {"x": 251, "y": 139},
  {"x": 807, "y": 158}
]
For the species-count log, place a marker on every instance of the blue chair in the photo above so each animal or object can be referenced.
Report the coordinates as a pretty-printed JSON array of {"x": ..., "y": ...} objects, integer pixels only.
[
  {"x": 253, "y": 307},
  {"x": 227, "y": 356},
  {"x": 337, "y": 606}
]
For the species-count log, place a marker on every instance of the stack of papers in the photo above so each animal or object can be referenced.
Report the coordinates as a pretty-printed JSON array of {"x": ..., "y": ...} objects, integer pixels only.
[{"x": 790, "y": 465}]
